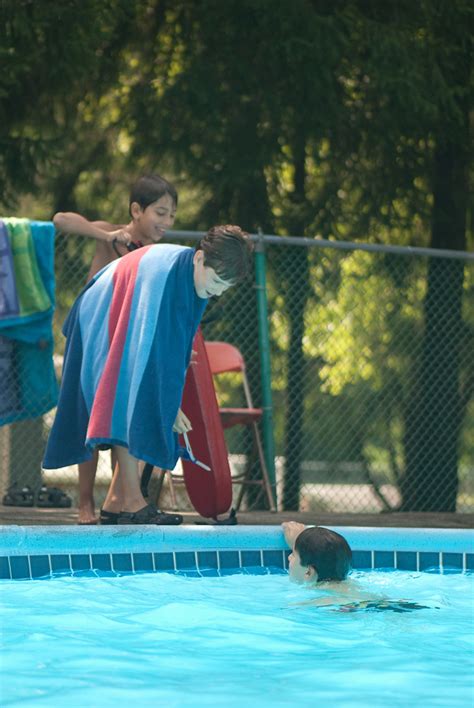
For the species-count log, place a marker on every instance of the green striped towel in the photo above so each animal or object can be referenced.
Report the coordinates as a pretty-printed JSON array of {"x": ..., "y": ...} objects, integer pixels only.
[{"x": 32, "y": 294}]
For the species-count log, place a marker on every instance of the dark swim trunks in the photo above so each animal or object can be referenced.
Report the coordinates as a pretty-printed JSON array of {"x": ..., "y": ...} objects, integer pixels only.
[{"x": 382, "y": 606}]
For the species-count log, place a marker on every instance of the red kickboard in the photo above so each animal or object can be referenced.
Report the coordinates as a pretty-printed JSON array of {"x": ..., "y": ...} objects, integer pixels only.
[{"x": 209, "y": 492}]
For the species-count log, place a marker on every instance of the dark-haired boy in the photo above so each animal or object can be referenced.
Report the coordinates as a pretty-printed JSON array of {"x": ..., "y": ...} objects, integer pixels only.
[
  {"x": 152, "y": 207},
  {"x": 318, "y": 554},
  {"x": 321, "y": 555},
  {"x": 129, "y": 342}
]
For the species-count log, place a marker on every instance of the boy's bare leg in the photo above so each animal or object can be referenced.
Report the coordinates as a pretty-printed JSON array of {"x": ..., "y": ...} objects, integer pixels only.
[
  {"x": 124, "y": 492},
  {"x": 87, "y": 472}
]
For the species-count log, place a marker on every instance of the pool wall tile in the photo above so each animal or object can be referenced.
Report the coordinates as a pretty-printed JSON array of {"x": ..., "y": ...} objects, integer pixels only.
[
  {"x": 80, "y": 561},
  {"x": 229, "y": 559},
  {"x": 164, "y": 561},
  {"x": 185, "y": 560},
  {"x": 429, "y": 561},
  {"x": 469, "y": 561},
  {"x": 122, "y": 562},
  {"x": 40, "y": 566},
  {"x": 101, "y": 561},
  {"x": 384, "y": 559},
  {"x": 20, "y": 567},
  {"x": 406, "y": 560},
  {"x": 452, "y": 561},
  {"x": 60, "y": 563},
  {"x": 250, "y": 559},
  {"x": 273, "y": 559},
  {"x": 361, "y": 560},
  {"x": 207, "y": 560},
  {"x": 5, "y": 568},
  {"x": 143, "y": 562}
]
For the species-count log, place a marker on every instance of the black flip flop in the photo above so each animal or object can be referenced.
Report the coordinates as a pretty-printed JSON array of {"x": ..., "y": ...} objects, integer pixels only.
[
  {"x": 53, "y": 498},
  {"x": 18, "y": 496},
  {"x": 149, "y": 515},
  {"x": 108, "y": 518}
]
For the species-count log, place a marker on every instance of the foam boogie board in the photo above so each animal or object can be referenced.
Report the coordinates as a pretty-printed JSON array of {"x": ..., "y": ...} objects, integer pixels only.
[{"x": 209, "y": 491}]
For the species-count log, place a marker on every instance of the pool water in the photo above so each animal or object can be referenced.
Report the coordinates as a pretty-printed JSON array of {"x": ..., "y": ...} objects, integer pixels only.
[{"x": 238, "y": 640}]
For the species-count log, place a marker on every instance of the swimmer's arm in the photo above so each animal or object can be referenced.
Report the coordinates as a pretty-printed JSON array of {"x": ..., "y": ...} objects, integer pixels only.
[
  {"x": 291, "y": 531},
  {"x": 71, "y": 223},
  {"x": 322, "y": 602}
]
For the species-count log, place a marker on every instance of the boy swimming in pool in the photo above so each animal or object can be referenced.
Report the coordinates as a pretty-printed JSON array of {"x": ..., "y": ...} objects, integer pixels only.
[{"x": 320, "y": 555}]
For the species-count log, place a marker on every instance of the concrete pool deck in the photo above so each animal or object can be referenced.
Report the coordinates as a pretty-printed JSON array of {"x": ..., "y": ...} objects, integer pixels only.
[{"x": 33, "y": 516}]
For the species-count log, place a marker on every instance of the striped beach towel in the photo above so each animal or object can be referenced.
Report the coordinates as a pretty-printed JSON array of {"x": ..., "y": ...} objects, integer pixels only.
[{"x": 129, "y": 338}]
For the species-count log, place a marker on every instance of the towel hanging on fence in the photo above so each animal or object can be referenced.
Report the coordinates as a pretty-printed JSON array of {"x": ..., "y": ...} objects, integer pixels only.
[
  {"x": 9, "y": 303},
  {"x": 26, "y": 314},
  {"x": 129, "y": 339}
]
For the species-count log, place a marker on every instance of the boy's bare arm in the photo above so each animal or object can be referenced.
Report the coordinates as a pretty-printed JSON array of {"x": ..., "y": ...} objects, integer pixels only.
[
  {"x": 291, "y": 531},
  {"x": 71, "y": 223}
]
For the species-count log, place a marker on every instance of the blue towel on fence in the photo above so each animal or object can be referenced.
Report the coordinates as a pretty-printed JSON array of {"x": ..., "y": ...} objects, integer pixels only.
[
  {"x": 9, "y": 302},
  {"x": 26, "y": 334},
  {"x": 129, "y": 340}
]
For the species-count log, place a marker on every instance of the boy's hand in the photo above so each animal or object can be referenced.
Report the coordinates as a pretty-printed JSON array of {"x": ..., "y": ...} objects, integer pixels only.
[
  {"x": 291, "y": 531},
  {"x": 120, "y": 235},
  {"x": 182, "y": 424}
]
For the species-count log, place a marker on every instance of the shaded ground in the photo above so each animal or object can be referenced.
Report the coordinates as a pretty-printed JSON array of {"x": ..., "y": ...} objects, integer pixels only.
[{"x": 32, "y": 516}]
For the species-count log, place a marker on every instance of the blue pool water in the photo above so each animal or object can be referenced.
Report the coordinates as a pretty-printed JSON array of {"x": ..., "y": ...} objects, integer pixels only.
[{"x": 239, "y": 640}]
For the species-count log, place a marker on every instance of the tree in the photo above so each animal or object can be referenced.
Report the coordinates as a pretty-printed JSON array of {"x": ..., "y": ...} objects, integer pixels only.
[{"x": 53, "y": 55}]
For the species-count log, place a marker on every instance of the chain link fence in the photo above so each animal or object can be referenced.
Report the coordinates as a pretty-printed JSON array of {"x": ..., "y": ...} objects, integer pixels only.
[{"x": 372, "y": 378}]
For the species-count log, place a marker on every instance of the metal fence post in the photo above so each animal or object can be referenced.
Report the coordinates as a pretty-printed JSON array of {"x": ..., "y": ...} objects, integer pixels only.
[{"x": 265, "y": 365}]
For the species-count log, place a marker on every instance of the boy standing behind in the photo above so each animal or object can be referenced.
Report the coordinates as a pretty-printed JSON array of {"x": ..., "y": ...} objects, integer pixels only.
[{"x": 152, "y": 207}]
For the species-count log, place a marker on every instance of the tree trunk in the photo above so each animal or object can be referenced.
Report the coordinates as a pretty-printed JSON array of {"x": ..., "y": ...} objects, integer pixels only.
[{"x": 434, "y": 418}]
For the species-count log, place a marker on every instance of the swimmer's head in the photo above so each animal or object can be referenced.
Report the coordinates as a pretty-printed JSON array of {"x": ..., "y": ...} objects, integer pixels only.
[{"x": 320, "y": 554}]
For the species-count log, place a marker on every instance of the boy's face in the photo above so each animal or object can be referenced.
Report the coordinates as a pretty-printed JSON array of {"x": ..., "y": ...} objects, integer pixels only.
[
  {"x": 300, "y": 573},
  {"x": 155, "y": 219},
  {"x": 206, "y": 281}
]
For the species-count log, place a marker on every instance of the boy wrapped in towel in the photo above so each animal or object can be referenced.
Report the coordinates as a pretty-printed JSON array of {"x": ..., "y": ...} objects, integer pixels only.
[{"x": 129, "y": 342}]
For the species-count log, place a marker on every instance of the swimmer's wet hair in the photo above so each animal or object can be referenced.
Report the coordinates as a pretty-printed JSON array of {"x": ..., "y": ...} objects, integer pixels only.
[
  {"x": 326, "y": 551},
  {"x": 149, "y": 189},
  {"x": 227, "y": 250}
]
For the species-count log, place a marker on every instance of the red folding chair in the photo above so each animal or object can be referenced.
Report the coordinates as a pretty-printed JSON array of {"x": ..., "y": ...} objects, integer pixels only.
[{"x": 225, "y": 358}]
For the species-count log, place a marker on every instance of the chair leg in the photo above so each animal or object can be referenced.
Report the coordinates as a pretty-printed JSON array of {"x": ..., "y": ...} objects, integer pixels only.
[{"x": 265, "y": 480}]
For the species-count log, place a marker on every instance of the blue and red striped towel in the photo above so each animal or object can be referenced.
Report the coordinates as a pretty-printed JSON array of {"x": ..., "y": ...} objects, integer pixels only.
[{"x": 129, "y": 338}]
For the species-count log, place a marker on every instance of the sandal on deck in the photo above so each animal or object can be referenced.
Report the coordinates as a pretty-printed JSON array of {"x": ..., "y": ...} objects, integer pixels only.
[
  {"x": 16, "y": 496},
  {"x": 108, "y": 518},
  {"x": 53, "y": 498},
  {"x": 149, "y": 515}
]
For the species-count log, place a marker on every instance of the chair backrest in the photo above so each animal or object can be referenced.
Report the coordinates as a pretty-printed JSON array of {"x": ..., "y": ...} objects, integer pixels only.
[{"x": 224, "y": 357}]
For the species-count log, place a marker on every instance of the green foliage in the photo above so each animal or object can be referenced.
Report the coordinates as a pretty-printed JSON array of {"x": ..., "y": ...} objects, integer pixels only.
[{"x": 52, "y": 55}]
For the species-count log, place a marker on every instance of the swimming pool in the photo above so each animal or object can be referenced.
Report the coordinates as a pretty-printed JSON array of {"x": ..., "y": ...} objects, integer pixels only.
[{"x": 224, "y": 626}]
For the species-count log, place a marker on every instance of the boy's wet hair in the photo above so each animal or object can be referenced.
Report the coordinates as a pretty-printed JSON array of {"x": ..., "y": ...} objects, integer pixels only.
[
  {"x": 227, "y": 250},
  {"x": 326, "y": 551},
  {"x": 149, "y": 189}
]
